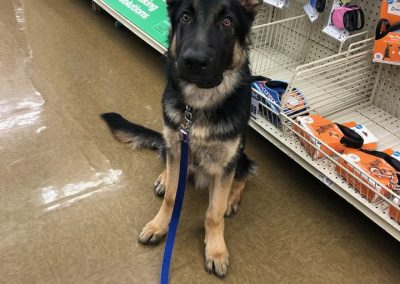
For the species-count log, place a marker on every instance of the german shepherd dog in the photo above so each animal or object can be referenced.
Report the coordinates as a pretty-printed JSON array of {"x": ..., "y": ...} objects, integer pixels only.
[{"x": 207, "y": 70}]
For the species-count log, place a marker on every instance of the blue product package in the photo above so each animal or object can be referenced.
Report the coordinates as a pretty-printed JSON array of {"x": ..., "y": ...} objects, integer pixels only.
[{"x": 269, "y": 94}]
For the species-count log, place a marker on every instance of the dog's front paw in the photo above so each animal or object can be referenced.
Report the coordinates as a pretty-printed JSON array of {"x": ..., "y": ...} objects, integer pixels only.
[
  {"x": 159, "y": 184},
  {"x": 151, "y": 234},
  {"x": 217, "y": 262}
]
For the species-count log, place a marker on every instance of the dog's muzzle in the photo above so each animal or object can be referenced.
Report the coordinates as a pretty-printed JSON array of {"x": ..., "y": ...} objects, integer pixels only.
[{"x": 197, "y": 67}]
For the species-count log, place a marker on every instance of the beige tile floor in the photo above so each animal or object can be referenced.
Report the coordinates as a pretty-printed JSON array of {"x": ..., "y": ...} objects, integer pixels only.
[{"x": 72, "y": 200}]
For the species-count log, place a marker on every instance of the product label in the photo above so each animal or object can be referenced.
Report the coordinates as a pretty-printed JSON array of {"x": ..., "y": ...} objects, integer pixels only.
[
  {"x": 393, "y": 7},
  {"x": 396, "y": 155},
  {"x": 325, "y": 180},
  {"x": 365, "y": 134},
  {"x": 254, "y": 107},
  {"x": 276, "y": 3},
  {"x": 311, "y": 12}
]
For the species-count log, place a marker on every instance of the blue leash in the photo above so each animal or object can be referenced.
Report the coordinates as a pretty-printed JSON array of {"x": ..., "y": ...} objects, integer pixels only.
[{"x": 180, "y": 194}]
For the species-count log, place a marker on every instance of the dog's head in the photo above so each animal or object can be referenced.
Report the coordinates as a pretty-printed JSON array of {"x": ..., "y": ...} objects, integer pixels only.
[{"x": 209, "y": 37}]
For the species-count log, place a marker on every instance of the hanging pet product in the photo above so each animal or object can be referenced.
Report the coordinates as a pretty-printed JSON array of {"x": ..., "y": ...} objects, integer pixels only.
[
  {"x": 344, "y": 19},
  {"x": 387, "y": 35},
  {"x": 314, "y": 8}
]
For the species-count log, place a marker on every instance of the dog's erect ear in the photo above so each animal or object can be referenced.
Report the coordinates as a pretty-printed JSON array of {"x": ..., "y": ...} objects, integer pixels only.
[{"x": 251, "y": 5}]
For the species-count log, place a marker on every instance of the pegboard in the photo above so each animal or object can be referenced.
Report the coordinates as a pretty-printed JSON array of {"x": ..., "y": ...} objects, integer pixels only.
[
  {"x": 323, "y": 45},
  {"x": 387, "y": 91}
]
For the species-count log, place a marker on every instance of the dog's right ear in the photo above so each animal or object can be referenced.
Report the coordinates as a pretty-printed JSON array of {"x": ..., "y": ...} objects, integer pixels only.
[{"x": 251, "y": 5}]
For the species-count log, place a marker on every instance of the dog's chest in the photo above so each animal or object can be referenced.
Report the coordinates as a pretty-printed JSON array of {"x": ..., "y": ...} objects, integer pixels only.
[{"x": 210, "y": 155}]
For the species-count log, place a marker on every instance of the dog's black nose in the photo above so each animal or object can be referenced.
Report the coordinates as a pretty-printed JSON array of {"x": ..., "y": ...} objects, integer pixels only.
[{"x": 195, "y": 60}]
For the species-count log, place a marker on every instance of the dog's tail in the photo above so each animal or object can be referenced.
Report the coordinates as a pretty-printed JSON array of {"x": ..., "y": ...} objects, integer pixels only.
[
  {"x": 135, "y": 135},
  {"x": 245, "y": 168}
]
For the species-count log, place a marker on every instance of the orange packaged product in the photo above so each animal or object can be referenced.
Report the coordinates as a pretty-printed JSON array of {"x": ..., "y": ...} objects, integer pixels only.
[
  {"x": 387, "y": 36},
  {"x": 394, "y": 212},
  {"x": 369, "y": 168},
  {"x": 337, "y": 136}
]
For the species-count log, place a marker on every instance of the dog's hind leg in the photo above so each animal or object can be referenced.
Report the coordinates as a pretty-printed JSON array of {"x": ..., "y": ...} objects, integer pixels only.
[
  {"x": 235, "y": 197},
  {"x": 159, "y": 183},
  {"x": 245, "y": 168},
  {"x": 217, "y": 256}
]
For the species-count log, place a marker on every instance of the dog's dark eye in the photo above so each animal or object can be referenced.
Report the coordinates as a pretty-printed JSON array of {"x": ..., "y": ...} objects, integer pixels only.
[
  {"x": 185, "y": 18},
  {"x": 227, "y": 22}
]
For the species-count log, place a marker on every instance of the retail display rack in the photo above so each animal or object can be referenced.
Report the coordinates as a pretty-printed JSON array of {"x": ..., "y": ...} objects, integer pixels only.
[{"x": 339, "y": 81}]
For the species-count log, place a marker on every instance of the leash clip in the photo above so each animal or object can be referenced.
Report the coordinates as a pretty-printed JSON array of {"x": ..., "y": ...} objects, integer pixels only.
[{"x": 184, "y": 128}]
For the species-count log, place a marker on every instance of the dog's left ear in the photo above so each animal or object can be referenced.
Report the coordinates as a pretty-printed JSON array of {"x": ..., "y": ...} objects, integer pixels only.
[{"x": 251, "y": 5}]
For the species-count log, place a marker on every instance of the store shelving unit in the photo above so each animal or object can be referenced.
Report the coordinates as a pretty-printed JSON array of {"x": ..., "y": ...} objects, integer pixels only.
[
  {"x": 100, "y": 4},
  {"x": 339, "y": 82},
  {"x": 340, "y": 99}
]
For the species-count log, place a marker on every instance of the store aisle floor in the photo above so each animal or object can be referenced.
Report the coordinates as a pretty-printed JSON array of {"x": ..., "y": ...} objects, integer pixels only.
[{"x": 73, "y": 200}]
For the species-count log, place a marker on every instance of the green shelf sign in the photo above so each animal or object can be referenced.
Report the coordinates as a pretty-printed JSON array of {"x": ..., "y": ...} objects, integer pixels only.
[{"x": 150, "y": 16}]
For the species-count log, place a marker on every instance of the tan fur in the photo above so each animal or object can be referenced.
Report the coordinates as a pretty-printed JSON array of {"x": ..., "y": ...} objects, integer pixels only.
[
  {"x": 172, "y": 47},
  {"x": 239, "y": 56},
  {"x": 158, "y": 226},
  {"x": 235, "y": 197},
  {"x": 126, "y": 138},
  {"x": 217, "y": 255},
  {"x": 251, "y": 5},
  {"x": 204, "y": 98},
  {"x": 201, "y": 179},
  {"x": 173, "y": 115},
  {"x": 159, "y": 183},
  {"x": 172, "y": 139},
  {"x": 213, "y": 156}
]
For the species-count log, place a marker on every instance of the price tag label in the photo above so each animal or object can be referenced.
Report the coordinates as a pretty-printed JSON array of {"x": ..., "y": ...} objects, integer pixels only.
[
  {"x": 276, "y": 3},
  {"x": 326, "y": 180},
  {"x": 311, "y": 12}
]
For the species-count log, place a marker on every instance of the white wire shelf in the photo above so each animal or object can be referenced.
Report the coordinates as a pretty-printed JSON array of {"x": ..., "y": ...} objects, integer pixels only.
[
  {"x": 341, "y": 88},
  {"x": 324, "y": 170},
  {"x": 279, "y": 47},
  {"x": 281, "y": 41}
]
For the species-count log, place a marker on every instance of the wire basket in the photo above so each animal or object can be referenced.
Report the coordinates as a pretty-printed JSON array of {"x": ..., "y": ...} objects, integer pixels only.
[
  {"x": 281, "y": 41},
  {"x": 343, "y": 87}
]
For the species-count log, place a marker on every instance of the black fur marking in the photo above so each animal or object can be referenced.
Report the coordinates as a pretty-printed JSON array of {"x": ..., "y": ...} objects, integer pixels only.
[
  {"x": 241, "y": 164},
  {"x": 244, "y": 168}
]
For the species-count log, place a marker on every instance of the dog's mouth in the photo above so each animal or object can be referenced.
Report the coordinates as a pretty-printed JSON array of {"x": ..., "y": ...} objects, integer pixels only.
[{"x": 203, "y": 84}]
